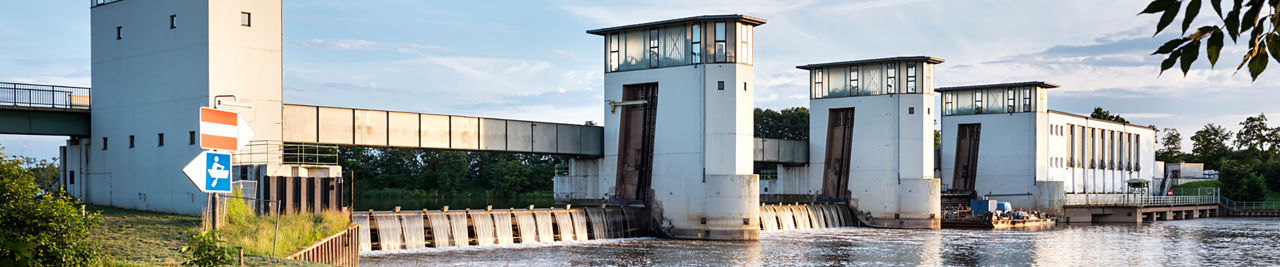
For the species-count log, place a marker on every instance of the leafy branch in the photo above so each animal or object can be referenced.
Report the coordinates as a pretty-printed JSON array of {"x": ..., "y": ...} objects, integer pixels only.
[{"x": 1263, "y": 39}]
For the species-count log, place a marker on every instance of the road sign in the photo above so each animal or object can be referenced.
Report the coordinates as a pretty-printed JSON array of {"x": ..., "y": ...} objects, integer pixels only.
[
  {"x": 226, "y": 130},
  {"x": 210, "y": 172}
]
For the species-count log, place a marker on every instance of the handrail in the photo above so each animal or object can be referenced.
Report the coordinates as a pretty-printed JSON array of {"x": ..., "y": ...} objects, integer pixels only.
[
  {"x": 333, "y": 250},
  {"x": 45, "y": 96},
  {"x": 1136, "y": 200}
]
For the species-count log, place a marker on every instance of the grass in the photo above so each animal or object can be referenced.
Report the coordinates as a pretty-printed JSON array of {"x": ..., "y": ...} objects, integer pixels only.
[
  {"x": 255, "y": 233},
  {"x": 1272, "y": 196},
  {"x": 140, "y": 238},
  {"x": 143, "y": 238},
  {"x": 1199, "y": 184}
]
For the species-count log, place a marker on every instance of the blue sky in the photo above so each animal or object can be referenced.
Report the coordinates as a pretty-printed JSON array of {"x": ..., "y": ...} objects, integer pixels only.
[{"x": 532, "y": 60}]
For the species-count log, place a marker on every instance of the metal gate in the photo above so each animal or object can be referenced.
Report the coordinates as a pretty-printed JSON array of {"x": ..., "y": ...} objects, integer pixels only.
[
  {"x": 635, "y": 142},
  {"x": 835, "y": 174}
]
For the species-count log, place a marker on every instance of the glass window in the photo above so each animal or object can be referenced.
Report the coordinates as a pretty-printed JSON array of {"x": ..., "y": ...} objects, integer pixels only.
[
  {"x": 744, "y": 38},
  {"x": 673, "y": 46},
  {"x": 173, "y": 21},
  {"x": 160, "y": 139},
  {"x": 977, "y": 101},
  {"x": 720, "y": 42},
  {"x": 891, "y": 78},
  {"x": 853, "y": 81},
  {"x": 835, "y": 83},
  {"x": 1071, "y": 143},
  {"x": 872, "y": 80},
  {"x": 633, "y": 51},
  {"x": 653, "y": 48},
  {"x": 911, "y": 78},
  {"x": 245, "y": 19},
  {"x": 1010, "y": 101},
  {"x": 1026, "y": 99},
  {"x": 820, "y": 91},
  {"x": 614, "y": 57},
  {"x": 696, "y": 48}
]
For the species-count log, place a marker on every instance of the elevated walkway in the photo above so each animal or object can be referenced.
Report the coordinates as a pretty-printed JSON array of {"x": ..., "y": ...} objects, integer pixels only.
[
  {"x": 1137, "y": 208},
  {"x": 35, "y": 109}
]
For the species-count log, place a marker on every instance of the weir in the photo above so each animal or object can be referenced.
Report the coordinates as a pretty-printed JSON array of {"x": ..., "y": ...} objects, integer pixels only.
[
  {"x": 392, "y": 230},
  {"x": 781, "y": 217}
]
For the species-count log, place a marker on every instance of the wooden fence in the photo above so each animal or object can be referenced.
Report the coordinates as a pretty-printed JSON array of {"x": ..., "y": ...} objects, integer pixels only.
[{"x": 342, "y": 249}]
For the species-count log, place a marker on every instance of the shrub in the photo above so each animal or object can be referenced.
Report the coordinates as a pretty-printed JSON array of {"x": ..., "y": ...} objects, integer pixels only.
[
  {"x": 38, "y": 228},
  {"x": 204, "y": 248}
]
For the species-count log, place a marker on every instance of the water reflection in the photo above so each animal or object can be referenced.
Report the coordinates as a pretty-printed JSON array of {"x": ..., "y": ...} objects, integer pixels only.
[{"x": 1214, "y": 241}]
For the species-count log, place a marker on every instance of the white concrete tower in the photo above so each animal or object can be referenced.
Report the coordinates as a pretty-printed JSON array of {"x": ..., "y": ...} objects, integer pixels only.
[
  {"x": 155, "y": 62},
  {"x": 871, "y": 139},
  {"x": 678, "y": 124}
]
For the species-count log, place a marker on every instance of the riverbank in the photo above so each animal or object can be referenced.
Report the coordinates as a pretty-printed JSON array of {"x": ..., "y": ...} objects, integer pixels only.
[{"x": 142, "y": 238}]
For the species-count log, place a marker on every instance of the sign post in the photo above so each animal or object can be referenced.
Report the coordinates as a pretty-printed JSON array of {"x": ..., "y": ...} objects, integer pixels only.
[{"x": 210, "y": 171}]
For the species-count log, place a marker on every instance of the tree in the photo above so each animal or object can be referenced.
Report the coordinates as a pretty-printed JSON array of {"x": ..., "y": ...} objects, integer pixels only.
[
  {"x": 1210, "y": 145},
  {"x": 1171, "y": 151},
  {"x": 1240, "y": 182},
  {"x": 1245, "y": 20},
  {"x": 789, "y": 124},
  {"x": 1254, "y": 134},
  {"x": 41, "y": 228},
  {"x": 1099, "y": 113}
]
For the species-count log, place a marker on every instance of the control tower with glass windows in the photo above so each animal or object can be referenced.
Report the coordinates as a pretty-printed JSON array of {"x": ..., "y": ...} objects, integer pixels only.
[
  {"x": 679, "y": 126},
  {"x": 871, "y": 139}
]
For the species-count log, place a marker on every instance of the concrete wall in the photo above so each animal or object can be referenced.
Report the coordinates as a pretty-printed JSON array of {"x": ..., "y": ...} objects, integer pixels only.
[
  {"x": 153, "y": 80},
  {"x": 694, "y": 178},
  {"x": 891, "y": 160}
]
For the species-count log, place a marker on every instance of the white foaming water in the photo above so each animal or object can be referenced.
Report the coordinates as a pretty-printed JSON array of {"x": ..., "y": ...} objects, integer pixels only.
[
  {"x": 458, "y": 223},
  {"x": 579, "y": 225},
  {"x": 365, "y": 242},
  {"x": 564, "y": 224},
  {"x": 483, "y": 227},
  {"x": 528, "y": 227},
  {"x": 389, "y": 237},
  {"x": 439, "y": 229},
  {"x": 502, "y": 227},
  {"x": 414, "y": 236},
  {"x": 545, "y": 234}
]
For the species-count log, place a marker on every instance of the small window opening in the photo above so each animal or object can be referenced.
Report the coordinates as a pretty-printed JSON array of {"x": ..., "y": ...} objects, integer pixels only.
[
  {"x": 173, "y": 21},
  {"x": 245, "y": 19},
  {"x": 130, "y": 141},
  {"x": 191, "y": 137},
  {"x": 119, "y": 29},
  {"x": 160, "y": 139},
  {"x": 104, "y": 143},
  {"x": 720, "y": 85}
]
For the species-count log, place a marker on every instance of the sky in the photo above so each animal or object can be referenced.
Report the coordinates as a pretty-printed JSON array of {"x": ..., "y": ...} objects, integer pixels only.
[{"x": 532, "y": 60}]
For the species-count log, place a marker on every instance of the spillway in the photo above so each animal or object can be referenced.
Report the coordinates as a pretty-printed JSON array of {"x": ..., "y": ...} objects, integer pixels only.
[
  {"x": 782, "y": 217},
  {"x": 391, "y": 230}
]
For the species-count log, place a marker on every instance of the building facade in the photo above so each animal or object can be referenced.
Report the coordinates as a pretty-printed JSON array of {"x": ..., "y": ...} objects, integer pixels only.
[
  {"x": 155, "y": 63},
  {"x": 678, "y": 126},
  {"x": 871, "y": 139},
  {"x": 1000, "y": 141}
]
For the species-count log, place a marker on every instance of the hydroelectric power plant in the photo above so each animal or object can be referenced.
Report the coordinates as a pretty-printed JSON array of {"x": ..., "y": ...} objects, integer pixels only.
[{"x": 674, "y": 158}]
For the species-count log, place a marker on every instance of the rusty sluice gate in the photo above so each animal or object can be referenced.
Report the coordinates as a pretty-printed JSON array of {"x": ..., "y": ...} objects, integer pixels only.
[
  {"x": 397, "y": 230},
  {"x": 804, "y": 216}
]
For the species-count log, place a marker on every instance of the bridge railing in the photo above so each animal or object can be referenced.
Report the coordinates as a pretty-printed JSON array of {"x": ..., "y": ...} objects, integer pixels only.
[
  {"x": 1250, "y": 205},
  {"x": 44, "y": 96},
  {"x": 1136, "y": 200}
]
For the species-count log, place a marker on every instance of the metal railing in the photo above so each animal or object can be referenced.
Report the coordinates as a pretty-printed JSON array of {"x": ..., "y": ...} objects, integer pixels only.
[
  {"x": 340, "y": 249},
  {"x": 1136, "y": 200},
  {"x": 44, "y": 96},
  {"x": 1250, "y": 205},
  {"x": 277, "y": 152}
]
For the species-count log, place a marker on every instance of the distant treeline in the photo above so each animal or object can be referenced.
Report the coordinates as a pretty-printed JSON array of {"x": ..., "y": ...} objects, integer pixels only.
[{"x": 445, "y": 172}]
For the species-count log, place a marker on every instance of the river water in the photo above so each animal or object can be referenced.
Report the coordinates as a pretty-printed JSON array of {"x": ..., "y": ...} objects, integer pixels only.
[{"x": 1212, "y": 241}]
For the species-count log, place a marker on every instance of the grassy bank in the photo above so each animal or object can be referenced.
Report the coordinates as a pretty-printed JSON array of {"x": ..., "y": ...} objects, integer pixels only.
[
  {"x": 255, "y": 233},
  {"x": 130, "y": 237},
  {"x": 1272, "y": 196},
  {"x": 142, "y": 238}
]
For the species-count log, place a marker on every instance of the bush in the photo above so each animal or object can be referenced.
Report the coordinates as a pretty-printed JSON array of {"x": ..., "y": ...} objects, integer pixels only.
[
  {"x": 1271, "y": 172},
  {"x": 1240, "y": 182},
  {"x": 255, "y": 233},
  {"x": 38, "y": 228},
  {"x": 204, "y": 248}
]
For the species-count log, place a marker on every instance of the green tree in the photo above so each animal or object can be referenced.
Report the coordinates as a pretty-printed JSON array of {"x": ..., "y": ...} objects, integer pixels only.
[
  {"x": 509, "y": 176},
  {"x": 41, "y": 228},
  {"x": 1240, "y": 182},
  {"x": 1099, "y": 113},
  {"x": 1254, "y": 135},
  {"x": 789, "y": 124},
  {"x": 1171, "y": 146},
  {"x": 1210, "y": 145},
  {"x": 1252, "y": 21}
]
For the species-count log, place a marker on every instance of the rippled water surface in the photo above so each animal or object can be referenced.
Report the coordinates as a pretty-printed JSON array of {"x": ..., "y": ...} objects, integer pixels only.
[{"x": 1213, "y": 241}]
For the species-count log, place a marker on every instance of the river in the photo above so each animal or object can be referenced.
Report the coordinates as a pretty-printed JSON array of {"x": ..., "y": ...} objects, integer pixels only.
[{"x": 1211, "y": 241}]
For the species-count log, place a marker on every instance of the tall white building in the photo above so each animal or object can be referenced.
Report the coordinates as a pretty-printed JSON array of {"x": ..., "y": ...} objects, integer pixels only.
[
  {"x": 679, "y": 126},
  {"x": 155, "y": 62},
  {"x": 1001, "y": 141},
  {"x": 871, "y": 139}
]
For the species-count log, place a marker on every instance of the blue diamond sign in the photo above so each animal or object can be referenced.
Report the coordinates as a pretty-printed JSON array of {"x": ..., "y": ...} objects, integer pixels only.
[{"x": 210, "y": 172}]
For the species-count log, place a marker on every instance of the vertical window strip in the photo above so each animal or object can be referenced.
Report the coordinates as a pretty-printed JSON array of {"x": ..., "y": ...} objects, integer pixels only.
[
  {"x": 911, "y": 78},
  {"x": 696, "y": 49},
  {"x": 614, "y": 55},
  {"x": 891, "y": 78},
  {"x": 977, "y": 101},
  {"x": 720, "y": 42},
  {"x": 853, "y": 80},
  {"x": 817, "y": 84}
]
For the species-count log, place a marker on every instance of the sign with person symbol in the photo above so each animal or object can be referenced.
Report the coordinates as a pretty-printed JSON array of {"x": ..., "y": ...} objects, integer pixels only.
[{"x": 210, "y": 172}]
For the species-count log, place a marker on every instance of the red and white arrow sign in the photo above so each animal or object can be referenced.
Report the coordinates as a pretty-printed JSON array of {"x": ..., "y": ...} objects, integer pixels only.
[{"x": 226, "y": 130}]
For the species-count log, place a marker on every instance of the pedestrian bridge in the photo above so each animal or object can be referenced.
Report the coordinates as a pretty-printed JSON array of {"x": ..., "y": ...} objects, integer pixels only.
[{"x": 34, "y": 109}]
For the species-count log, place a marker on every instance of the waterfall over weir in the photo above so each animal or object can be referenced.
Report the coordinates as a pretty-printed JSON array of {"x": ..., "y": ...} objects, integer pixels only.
[
  {"x": 389, "y": 230},
  {"x": 803, "y": 216}
]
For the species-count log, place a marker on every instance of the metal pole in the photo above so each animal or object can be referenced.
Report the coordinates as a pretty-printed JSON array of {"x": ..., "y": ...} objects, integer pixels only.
[{"x": 276, "y": 236}]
